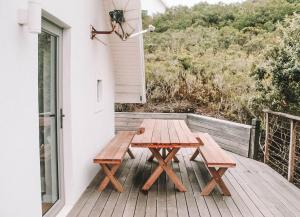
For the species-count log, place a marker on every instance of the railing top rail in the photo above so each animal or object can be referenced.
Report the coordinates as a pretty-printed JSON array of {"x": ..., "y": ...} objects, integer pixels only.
[{"x": 292, "y": 117}]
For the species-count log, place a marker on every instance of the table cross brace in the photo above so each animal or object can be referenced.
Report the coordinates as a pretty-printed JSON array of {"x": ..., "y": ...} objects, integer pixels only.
[
  {"x": 163, "y": 166},
  {"x": 150, "y": 159}
]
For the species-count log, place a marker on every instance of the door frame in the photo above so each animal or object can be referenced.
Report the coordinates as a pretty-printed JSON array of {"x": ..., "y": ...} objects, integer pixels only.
[{"x": 53, "y": 29}]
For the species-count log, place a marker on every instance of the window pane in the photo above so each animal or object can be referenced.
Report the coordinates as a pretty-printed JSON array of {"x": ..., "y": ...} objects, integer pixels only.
[{"x": 48, "y": 119}]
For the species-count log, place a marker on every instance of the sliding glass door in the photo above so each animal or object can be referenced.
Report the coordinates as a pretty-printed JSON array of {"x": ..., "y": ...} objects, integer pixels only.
[{"x": 50, "y": 116}]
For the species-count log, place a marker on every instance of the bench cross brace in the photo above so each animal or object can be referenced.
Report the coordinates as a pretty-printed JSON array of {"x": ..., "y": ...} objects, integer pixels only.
[
  {"x": 216, "y": 181},
  {"x": 110, "y": 172}
]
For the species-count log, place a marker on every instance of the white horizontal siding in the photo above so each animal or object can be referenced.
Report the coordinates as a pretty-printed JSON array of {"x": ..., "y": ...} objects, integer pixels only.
[{"x": 128, "y": 56}]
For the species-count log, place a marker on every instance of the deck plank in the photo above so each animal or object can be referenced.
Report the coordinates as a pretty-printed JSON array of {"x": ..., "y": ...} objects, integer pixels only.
[
  {"x": 241, "y": 198},
  {"x": 151, "y": 197},
  {"x": 274, "y": 197},
  {"x": 161, "y": 201},
  {"x": 130, "y": 204},
  {"x": 171, "y": 197},
  {"x": 114, "y": 196},
  {"x": 256, "y": 189},
  {"x": 182, "y": 209},
  {"x": 261, "y": 190},
  {"x": 201, "y": 204},
  {"x": 140, "y": 209},
  {"x": 190, "y": 199},
  {"x": 80, "y": 204},
  {"x": 96, "y": 194},
  {"x": 254, "y": 198},
  {"x": 102, "y": 199}
]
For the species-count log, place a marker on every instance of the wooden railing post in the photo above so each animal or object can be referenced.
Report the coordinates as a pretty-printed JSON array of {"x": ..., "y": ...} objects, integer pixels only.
[
  {"x": 266, "y": 150},
  {"x": 292, "y": 149},
  {"x": 254, "y": 141}
]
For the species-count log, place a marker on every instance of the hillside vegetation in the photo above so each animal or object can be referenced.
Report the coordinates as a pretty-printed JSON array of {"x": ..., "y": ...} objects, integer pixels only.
[{"x": 227, "y": 61}]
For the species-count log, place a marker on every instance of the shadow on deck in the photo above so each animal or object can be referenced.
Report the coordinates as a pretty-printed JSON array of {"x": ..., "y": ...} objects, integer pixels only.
[{"x": 256, "y": 189}]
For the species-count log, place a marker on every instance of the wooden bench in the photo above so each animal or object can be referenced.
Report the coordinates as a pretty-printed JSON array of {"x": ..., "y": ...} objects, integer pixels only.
[
  {"x": 111, "y": 157},
  {"x": 216, "y": 160}
]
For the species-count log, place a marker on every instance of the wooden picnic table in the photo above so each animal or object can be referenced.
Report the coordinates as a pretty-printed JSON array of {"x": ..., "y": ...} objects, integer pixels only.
[{"x": 171, "y": 135}]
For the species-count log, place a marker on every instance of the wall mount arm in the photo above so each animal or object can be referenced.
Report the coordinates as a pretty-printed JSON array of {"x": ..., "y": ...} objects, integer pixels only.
[{"x": 95, "y": 32}]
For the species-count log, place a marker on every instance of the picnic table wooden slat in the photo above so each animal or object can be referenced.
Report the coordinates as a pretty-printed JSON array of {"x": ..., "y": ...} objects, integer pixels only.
[
  {"x": 156, "y": 136},
  {"x": 172, "y": 132},
  {"x": 164, "y": 134},
  {"x": 189, "y": 135},
  {"x": 165, "y": 137},
  {"x": 147, "y": 134},
  {"x": 181, "y": 134}
]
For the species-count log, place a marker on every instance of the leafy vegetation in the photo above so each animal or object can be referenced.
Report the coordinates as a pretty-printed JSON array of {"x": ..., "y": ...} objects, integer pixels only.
[{"x": 226, "y": 61}]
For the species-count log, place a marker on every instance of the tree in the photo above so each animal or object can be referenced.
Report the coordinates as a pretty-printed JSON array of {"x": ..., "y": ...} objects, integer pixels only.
[{"x": 279, "y": 80}]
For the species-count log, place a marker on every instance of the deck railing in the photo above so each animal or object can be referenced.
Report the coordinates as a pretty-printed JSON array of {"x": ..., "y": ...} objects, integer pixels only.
[{"x": 282, "y": 144}]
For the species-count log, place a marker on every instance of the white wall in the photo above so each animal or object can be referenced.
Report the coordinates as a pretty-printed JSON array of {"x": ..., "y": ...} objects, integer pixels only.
[
  {"x": 128, "y": 56},
  {"x": 153, "y": 6},
  {"x": 85, "y": 129}
]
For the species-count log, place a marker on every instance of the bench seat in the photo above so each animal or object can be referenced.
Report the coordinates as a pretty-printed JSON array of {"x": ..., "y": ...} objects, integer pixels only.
[
  {"x": 216, "y": 160},
  {"x": 111, "y": 157}
]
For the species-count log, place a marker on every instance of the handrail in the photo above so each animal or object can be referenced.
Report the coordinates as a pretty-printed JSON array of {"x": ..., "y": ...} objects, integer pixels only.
[{"x": 289, "y": 116}]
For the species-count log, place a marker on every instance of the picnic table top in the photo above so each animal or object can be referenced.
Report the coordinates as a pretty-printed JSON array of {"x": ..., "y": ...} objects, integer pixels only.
[{"x": 159, "y": 133}]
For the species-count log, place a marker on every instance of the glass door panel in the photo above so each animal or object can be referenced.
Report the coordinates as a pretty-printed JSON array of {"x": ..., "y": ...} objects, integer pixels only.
[{"x": 48, "y": 118}]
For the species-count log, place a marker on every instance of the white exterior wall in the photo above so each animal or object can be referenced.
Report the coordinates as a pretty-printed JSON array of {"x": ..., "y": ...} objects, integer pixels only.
[
  {"x": 128, "y": 56},
  {"x": 153, "y": 6},
  {"x": 85, "y": 131}
]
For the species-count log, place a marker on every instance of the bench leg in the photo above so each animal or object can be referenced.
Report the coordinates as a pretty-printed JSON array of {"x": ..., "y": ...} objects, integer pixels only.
[
  {"x": 216, "y": 180},
  {"x": 195, "y": 154},
  {"x": 130, "y": 153},
  {"x": 110, "y": 178}
]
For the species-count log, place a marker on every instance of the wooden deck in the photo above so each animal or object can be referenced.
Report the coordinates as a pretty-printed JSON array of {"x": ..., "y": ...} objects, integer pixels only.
[{"x": 256, "y": 190}]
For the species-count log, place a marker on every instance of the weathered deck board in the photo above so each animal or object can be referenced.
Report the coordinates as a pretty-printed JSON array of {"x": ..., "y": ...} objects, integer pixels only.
[{"x": 256, "y": 190}]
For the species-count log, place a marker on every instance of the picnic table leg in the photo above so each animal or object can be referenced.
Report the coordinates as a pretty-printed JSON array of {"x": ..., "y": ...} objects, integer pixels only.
[
  {"x": 216, "y": 180},
  {"x": 150, "y": 159},
  {"x": 110, "y": 172},
  {"x": 195, "y": 154},
  {"x": 130, "y": 153},
  {"x": 164, "y": 153},
  {"x": 163, "y": 166},
  {"x": 174, "y": 158}
]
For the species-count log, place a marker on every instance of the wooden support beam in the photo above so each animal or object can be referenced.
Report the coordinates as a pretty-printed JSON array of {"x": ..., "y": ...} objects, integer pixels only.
[
  {"x": 163, "y": 166},
  {"x": 110, "y": 172},
  {"x": 195, "y": 154},
  {"x": 254, "y": 139},
  {"x": 292, "y": 149},
  {"x": 216, "y": 181},
  {"x": 130, "y": 153},
  {"x": 266, "y": 150}
]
